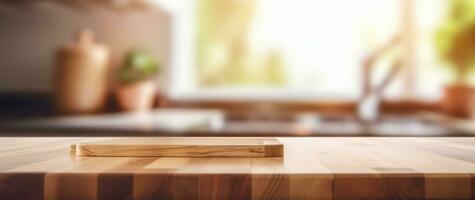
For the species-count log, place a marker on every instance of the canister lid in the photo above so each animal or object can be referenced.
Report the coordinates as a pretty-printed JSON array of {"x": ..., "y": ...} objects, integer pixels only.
[
  {"x": 85, "y": 36},
  {"x": 83, "y": 44}
]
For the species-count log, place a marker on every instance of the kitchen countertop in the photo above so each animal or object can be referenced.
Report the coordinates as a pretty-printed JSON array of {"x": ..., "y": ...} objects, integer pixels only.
[
  {"x": 312, "y": 168},
  {"x": 212, "y": 123}
]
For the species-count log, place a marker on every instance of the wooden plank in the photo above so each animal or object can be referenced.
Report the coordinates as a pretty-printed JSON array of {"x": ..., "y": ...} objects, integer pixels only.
[
  {"x": 166, "y": 186},
  {"x": 21, "y": 186},
  {"x": 166, "y": 147},
  {"x": 357, "y": 186},
  {"x": 448, "y": 186},
  {"x": 68, "y": 185},
  {"x": 225, "y": 186},
  {"x": 270, "y": 186},
  {"x": 322, "y": 186}
]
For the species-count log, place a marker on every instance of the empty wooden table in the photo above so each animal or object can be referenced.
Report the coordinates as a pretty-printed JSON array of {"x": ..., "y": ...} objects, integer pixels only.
[{"x": 311, "y": 168}]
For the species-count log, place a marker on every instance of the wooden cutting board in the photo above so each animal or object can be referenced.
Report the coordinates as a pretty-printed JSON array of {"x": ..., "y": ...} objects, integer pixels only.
[{"x": 182, "y": 147}]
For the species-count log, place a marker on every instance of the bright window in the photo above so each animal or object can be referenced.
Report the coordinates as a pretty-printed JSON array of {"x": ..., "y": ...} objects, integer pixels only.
[{"x": 294, "y": 49}]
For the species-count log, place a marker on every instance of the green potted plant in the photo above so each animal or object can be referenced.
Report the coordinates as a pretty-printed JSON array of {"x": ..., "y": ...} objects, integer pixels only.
[
  {"x": 136, "y": 86},
  {"x": 455, "y": 42}
]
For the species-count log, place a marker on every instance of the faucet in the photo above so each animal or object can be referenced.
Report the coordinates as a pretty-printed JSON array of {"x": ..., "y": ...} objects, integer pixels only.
[{"x": 369, "y": 102}]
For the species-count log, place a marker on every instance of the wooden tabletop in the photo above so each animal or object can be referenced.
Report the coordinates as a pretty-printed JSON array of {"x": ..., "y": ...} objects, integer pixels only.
[{"x": 312, "y": 168}]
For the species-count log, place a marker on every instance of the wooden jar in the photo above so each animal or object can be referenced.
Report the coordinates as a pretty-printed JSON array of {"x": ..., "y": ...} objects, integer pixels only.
[{"x": 80, "y": 76}]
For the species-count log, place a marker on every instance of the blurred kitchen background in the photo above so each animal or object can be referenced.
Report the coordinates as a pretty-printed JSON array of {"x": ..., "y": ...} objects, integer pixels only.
[{"x": 238, "y": 67}]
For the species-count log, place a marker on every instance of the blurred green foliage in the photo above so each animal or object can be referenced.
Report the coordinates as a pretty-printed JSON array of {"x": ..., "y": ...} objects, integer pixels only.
[
  {"x": 224, "y": 57},
  {"x": 137, "y": 66},
  {"x": 455, "y": 39}
]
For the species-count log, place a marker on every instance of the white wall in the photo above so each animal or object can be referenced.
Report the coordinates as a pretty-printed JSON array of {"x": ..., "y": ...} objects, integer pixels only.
[{"x": 29, "y": 36}]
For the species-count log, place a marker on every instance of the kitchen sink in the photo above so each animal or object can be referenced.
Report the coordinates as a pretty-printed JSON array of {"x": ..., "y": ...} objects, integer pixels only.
[{"x": 348, "y": 125}]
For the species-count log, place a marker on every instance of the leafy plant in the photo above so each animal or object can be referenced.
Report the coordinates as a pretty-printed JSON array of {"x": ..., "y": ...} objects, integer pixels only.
[
  {"x": 137, "y": 66},
  {"x": 455, "y": 39}
]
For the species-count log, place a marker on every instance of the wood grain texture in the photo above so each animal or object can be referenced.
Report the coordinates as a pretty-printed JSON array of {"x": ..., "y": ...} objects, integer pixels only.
[
  {"x": 21, "y": 186},
  {"x": 225, "y": 186},
  {"x": 311, "y": 168},
  {"x": 187, "y": 147}
]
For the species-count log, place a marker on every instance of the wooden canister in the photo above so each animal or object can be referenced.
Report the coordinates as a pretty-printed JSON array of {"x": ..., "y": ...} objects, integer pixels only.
[{"x": 80, "y": 76}]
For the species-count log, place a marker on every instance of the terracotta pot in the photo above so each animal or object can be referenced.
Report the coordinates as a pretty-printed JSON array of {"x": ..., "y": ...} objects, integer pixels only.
[
  {"x": 458, "y": 100},
  {"x": 136, "y": 97}
]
